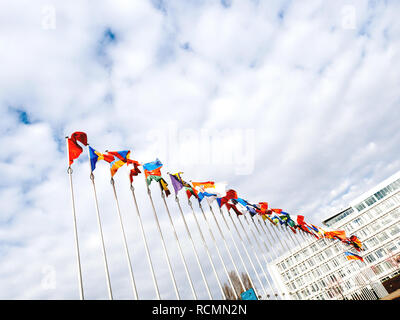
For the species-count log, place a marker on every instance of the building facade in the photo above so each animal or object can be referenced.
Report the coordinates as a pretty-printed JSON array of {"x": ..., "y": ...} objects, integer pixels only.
[{"x": 319, "y": 269}]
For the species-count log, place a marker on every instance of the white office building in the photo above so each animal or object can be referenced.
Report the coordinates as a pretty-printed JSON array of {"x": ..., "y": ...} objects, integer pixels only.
[{"x": 318, "y": 269}]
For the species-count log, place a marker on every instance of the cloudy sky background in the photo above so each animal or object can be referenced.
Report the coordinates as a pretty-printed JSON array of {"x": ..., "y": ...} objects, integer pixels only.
[{"x": 291, "y": 102}]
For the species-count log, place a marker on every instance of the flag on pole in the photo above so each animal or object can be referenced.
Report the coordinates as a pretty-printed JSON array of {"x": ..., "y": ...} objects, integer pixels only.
[
  {"x": 95, "y": 156},
  {"x": 135, "y": 171},
  {"x": 74, "y": 149},
  {"x": 230, "y": 194},
  {"x": 178, "y": 183},
  {"x": 152, "y": 171},
  {"x": 203, "y": 185},
  {"x": 353, "y": 256},
  {"x": 355, "y": 242},
  {"x": 119, "y": 158},
  {"x": 340, "y": 234}
]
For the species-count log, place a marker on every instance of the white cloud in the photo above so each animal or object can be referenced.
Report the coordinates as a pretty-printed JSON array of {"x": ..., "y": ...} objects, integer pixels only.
[{"x": 320, "y": 98}]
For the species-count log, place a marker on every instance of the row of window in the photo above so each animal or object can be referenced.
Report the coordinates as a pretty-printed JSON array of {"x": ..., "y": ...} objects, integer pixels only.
[
  {"x": 378, "y": 195},
  {"x": 371, "y": 215}
]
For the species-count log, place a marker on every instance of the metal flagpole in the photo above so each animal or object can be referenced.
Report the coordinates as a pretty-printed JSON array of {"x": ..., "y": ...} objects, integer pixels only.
[
  {"x": 266, "y": 253},
  {"x": 280, "y": 241},
  {"x": 145, "y": 243},
  {"x": 179, "y": 246},
  {"x": 238, "y": 251},
  {"x": 247, "y": 254},
  {"x": 124, "y": 238},
  {"x": 254, "y": 251},
  {"x": 208, "y": 252},
  {"x": 227, "y": 248},
  {"x": 275, "y": 255},
  {"x": 266, "y": 237},
  {"x": 163, "y": 243},
  {"x": 263, "y": 255},
  {"x": 101, "y": 236},
  {"x": 218, "y": 252},
  {"x": 75, "y": 228},
  {"x": 194, "y": 248},
  {"x": 272, "y": 235}
]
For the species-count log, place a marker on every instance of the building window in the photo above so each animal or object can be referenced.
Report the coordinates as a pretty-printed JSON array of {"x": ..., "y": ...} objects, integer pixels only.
[
  {"x": 394, "y": 230},
  {"x": 396, "y": 213},
  {"x": 370, "y": 201},
  {"x": 380, "y": 253},
  {"x": 311, "y": 262},
  {"x": 370, "y": 258},
  {"x": 360, "y": 206},
  {"x": 372, "y": 242},
  {"x": 314, "y": 248},
  {"x": 382, "y": 236},
  {"x": 305, "y": 252}
]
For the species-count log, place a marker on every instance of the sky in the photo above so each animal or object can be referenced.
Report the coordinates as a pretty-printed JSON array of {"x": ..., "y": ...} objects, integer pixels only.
[{"x": 291, "y": 102}]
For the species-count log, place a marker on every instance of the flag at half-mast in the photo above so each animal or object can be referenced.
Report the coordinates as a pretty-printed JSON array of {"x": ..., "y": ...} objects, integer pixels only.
[
  {"x": 95, "y": 156},
  {"x": 353, "y": 256},
  {"x": 204, "y": 189},
  {"x": 74, "y": 149},
  {"x": 152, "y": 171},
  {"x": 178, "y": 183},
  {"x": 117, "y": 159}
]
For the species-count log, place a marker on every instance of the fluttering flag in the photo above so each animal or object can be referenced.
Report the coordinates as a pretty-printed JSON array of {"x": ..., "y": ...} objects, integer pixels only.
[
  {"x": 230, "y": 194},
  {"x": 152, "y": 171},
  {"x": 354, "y": 242},
  {"x": 340, "y": 234},
  {"x": 135, "y": 171},
  {"x": 74, "y": 149},
  {"x": 203, "y": 185},
  {"x": 178, "y": 183},
  {"x": 119, "y": 158},
  {"x": 95, "y": 156},
  {"x": 353, "y": 256},
  {"x": 210, "y": 196}
]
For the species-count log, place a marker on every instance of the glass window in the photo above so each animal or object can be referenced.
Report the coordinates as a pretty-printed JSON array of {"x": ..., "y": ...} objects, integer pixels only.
[
  {"x": 370, "y": 258},
  {"x": 380, "y": 253},
  {"x": 325, "y": 267},
  {"x": 394, "y": 230},
  {"x": 306, "y": 252},
  {"x": 360, "y": 206},
  {"x": 382, "y": 236},
  {"x": 314, "y": 247},
  {"x": 372, "y": 242},
  {"x": 396, "y": 213},
  {"x": 328, "y": 252},
  {"x": 371, "y": 200}
]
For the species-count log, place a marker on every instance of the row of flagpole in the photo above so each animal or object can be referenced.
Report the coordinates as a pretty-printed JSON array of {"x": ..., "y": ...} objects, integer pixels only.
[{"x": 252, "y": 234}]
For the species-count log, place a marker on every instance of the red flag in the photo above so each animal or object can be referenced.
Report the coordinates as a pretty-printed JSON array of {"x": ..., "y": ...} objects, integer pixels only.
[
  {"x": 232, "y": 206},
  {"x": 135, "y": 171},
  {"x": 230, "y": 194},
  {"x": 74, "y": 149}
]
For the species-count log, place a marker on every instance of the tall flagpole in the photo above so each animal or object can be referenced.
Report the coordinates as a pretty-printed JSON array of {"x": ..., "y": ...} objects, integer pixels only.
[
  {"x": 75, "y": 228},
  {"x": 247, "y": 254},
  {"x": 124, "y": 238},
  {"x": 110, "y": 295},
  {"x": 238, "y": 251},
  {"x": 254, "y": 251},
  {"x": 262, "y": 250},
  {"x": 275, "y": 255},
  {"x": 227, "y": 248},
  {"x": 163, "y": 243},
  {"x": 145, "y": 243},
  {"x": 194, "y": 248},
  {"x": 179, "y": 246},
  {"x": 208, "y": 252},
  {"x": 218, "y": 252}
]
